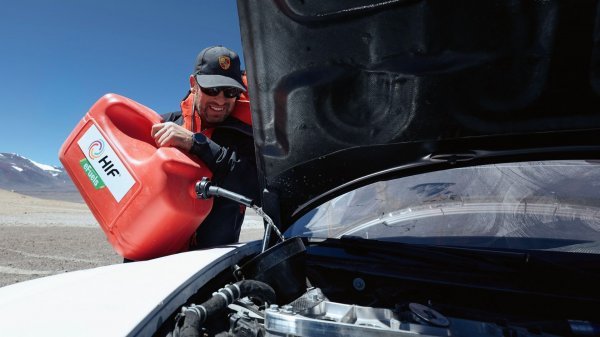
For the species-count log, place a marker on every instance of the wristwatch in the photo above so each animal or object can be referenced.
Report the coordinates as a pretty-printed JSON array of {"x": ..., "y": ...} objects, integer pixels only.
[{"x": 199, "y": 142}]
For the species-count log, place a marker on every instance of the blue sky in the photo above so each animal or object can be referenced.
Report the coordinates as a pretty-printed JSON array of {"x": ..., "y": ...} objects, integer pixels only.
[{"x": 59, "y": 57}]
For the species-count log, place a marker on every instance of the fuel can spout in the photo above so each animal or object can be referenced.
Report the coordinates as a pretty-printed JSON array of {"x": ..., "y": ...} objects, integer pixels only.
[{"x": 205, "y": 190}]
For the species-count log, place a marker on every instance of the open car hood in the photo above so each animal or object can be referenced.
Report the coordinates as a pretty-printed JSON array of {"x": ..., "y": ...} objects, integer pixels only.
[{"x": 343, "y": 91}]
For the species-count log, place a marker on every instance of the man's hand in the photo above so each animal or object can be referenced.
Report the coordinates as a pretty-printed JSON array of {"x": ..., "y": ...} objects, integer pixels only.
[{"x": 171, "y": 134}]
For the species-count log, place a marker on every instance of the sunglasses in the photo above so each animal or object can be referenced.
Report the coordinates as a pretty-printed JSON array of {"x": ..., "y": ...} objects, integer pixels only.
[{"x": 228, "y": 92}]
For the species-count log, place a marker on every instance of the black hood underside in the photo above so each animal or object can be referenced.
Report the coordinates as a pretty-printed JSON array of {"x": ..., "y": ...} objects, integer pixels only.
[{"x": 342, "y": 91}]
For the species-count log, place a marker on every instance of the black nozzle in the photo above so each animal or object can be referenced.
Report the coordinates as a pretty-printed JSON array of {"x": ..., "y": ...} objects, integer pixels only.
[
  {"x": 205, "y": 190},
  {"x": 202, "y": 188}
]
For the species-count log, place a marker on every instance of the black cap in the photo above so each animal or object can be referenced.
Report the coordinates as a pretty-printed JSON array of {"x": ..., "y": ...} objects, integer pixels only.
[{"x": 218, "y": 67}]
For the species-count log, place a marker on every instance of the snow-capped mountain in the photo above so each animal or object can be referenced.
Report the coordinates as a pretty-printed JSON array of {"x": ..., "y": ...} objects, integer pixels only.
[{"x": 25, "y": 176}]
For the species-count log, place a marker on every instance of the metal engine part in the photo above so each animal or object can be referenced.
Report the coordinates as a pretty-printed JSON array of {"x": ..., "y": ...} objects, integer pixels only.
[
  {"x": 314, "y": 315},
  {"x": 336, "y": 319},
  {"x": 243, "y": 325}
]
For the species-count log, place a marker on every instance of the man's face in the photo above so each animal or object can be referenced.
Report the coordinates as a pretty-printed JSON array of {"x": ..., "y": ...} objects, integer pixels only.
[{"x": 213, "y": 109}]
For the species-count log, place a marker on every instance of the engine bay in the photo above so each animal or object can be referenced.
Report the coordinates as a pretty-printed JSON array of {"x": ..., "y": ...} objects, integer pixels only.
[{"x": 336, "y": 289}]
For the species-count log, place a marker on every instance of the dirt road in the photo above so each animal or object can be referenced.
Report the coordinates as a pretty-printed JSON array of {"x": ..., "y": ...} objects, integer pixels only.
[{"x": 44, "y": 237}]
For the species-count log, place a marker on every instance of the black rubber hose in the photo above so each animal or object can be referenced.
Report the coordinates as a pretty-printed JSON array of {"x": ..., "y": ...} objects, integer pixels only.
[{"x": 195, "y": 315}]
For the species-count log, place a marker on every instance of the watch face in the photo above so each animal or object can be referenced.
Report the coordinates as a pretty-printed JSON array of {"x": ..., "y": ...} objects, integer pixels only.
[{"x": 199, "y": 138}]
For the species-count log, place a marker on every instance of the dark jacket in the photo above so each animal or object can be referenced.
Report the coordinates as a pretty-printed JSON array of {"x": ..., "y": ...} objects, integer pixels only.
[{"x": 229, "y": 154}]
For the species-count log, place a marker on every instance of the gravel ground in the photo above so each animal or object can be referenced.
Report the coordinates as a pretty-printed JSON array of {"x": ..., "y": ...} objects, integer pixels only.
[{"x": 44, "y": 237}]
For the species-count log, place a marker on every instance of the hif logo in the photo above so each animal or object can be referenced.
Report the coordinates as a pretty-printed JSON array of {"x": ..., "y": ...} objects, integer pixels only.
[{"x": 95, "y": 151}]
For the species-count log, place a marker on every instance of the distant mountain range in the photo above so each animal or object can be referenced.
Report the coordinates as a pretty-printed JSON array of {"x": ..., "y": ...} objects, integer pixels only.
[{"x": 25, "y": 176}]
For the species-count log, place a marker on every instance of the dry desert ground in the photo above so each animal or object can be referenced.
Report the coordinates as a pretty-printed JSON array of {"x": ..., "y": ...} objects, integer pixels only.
[{"x": 43, "y": 237}]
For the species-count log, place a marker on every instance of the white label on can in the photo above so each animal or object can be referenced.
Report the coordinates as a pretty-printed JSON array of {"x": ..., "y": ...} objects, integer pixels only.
[{"x": 106, "y": 163}]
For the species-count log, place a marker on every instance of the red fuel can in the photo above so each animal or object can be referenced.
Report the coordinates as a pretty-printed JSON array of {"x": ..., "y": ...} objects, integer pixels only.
[{"x": 143, "y": 196}]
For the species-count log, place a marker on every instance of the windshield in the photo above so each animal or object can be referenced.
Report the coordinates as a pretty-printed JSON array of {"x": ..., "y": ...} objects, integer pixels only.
[{"x": 528, "y": 205}]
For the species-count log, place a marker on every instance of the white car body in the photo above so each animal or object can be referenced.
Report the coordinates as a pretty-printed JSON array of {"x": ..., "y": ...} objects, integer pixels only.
[{"x": 118, "y": 300}]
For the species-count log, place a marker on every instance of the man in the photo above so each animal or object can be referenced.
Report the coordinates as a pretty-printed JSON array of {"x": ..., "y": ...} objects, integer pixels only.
[{"x": 214, "y": 125}]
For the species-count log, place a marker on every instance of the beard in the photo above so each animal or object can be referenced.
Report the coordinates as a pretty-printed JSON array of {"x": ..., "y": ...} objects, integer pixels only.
[{"x": 215, "y": 113}]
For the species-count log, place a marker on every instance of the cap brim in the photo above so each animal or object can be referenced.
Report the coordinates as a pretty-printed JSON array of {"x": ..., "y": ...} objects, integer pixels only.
[{"x": 209, "y": 81}]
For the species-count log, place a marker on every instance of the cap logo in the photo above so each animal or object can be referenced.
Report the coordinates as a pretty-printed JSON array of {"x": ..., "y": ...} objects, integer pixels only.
[{"x": 224, "y": 62}]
